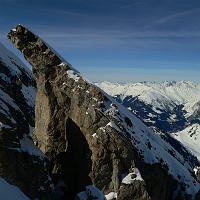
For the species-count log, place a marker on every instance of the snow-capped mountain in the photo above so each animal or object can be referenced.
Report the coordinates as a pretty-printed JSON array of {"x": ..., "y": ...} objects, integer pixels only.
[{"x": 168, "y": 107}]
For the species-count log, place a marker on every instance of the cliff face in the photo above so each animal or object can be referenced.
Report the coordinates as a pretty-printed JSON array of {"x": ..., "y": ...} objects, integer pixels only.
[
  {"x": 91, "y": 139},
  {"x": 21, "y": 163}
]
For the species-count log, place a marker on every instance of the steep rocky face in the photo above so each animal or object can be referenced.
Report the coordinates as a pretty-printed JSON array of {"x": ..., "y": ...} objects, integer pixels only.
[
  {"x": 21, "y": 163},
  {"x": 91, "y": 139}
]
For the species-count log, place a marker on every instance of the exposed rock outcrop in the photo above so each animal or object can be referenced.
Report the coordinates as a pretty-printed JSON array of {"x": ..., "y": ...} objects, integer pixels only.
[
  {"x": 21, "y": 163},
  {"x": 91, "y": 139}
]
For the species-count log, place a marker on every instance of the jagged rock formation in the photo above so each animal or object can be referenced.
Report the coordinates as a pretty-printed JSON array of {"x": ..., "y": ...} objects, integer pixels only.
[
  {"x": 21, "y": 163},
  {"x": 91, "y": 139}
]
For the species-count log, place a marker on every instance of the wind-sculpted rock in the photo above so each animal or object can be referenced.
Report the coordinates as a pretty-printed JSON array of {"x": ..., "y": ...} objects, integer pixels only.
[{"x": 94, "y": 142}]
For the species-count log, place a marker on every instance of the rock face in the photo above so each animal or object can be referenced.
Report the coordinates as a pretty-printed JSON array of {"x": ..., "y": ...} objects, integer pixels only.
[
  {"x": 91, "y": 139},
  {"x": 21, "y": 163}
]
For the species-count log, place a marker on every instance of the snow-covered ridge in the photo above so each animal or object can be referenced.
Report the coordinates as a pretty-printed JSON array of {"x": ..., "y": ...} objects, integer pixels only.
[
  {"x": 190, "y": 138},
  {"x": 183, "y": 92},
  {"x": 13, "y": 64}
]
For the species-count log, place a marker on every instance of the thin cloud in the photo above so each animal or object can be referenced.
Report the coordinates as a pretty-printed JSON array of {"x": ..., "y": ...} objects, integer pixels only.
[
  {"x": 123, "y": 40},
  {"x": 173, "y": 17},
  {"x": 120, "y": 34}
]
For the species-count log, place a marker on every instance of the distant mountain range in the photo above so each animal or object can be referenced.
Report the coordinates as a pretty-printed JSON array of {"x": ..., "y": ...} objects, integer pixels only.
[{"x": 169, "y": 107}]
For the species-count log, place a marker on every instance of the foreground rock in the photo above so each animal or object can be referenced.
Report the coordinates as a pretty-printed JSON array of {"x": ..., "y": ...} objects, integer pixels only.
[
  {"x": 21, "y": 163},
  {"x": 90, "y": 139}
]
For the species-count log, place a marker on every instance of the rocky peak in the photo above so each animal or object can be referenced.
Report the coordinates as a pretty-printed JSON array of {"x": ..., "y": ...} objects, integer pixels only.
[{"x": 94, "y": 142}]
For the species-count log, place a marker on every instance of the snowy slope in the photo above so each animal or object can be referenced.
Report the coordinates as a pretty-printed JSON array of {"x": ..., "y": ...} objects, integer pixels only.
[
  {"x": 14, "y": 65},
  {"x": 16, "y": 68},
  {"x": 10, "y": 192},
  {"x": 190, "y": 138},
  {"x": 151, "y": 146},
  {"x": 17, "y": 90}
]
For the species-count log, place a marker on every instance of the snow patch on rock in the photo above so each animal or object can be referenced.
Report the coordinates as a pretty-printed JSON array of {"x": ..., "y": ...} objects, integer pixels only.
[
  {"x": 111, "y": 196},
  {"x": 73, "y": 75},
  {"x": 131, "y": 177},
  {"x": 28, "y": 146},
  {"x": 10, "y": 192}
]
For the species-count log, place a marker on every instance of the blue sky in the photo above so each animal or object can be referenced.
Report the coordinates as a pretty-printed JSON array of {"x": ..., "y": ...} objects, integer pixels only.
[{"x": 116, "y": 40}]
